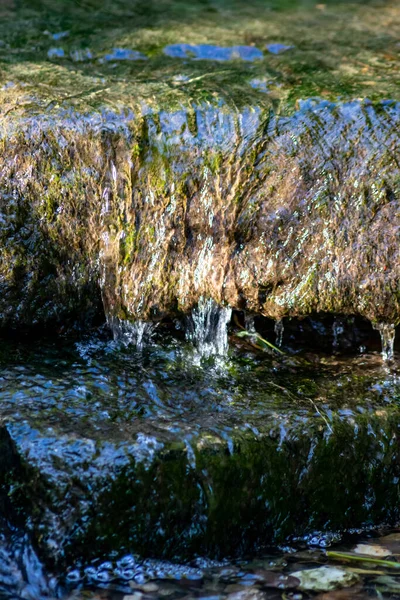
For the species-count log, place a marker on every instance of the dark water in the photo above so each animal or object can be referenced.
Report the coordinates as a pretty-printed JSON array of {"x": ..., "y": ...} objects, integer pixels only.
[{"x": 58, "y": 397}]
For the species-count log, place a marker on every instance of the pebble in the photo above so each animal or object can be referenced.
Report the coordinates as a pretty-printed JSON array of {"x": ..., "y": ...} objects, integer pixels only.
[{"x": 149, "y": 588}]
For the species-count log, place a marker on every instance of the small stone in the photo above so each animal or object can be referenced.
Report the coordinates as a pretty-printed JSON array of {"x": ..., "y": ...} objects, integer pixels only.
[
  {"x": 135, "y": 596},
  {"x": 372, "y": 550},
  {"x": 165, "y": 592},
  {"x": 325, "y": 579},
  {"x": 149, "y": 588}
]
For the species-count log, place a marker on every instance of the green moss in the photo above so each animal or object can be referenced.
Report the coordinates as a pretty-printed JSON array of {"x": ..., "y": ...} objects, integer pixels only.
[
  {"x": 128, "y": 246},
  {"x": 345, "y": 50},
  {"x": 214, "y": 161}
]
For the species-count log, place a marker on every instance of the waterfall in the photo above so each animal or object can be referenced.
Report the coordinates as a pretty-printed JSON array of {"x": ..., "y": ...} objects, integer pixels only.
[
  {"x": 135, "y": 332},
  {"x": 279, "y": 330},
  {"x": 388, "y": 332},
  {"x": 206, "y": 328}
]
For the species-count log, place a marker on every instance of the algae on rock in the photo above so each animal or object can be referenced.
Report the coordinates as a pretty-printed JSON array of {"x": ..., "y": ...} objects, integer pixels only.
[
  {"x": 278, "y": 216},
  {"x": 149, "y": 180}
]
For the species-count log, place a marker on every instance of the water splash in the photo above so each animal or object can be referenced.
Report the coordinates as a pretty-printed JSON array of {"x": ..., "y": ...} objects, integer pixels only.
[
  {"x": 387, "y": 332},
  {"x": 279, "y": 330},
  {"x": 131, "y": 568},
  {"x": 206, "y": 328},
  {"x": 137, "y": 333}
]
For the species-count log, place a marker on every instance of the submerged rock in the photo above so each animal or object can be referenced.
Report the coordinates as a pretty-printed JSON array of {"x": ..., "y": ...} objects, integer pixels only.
[
  {"x": 107, "y": 452},
  {"x": 325, "y": 579},
  {"x": 87, "y": 497}
]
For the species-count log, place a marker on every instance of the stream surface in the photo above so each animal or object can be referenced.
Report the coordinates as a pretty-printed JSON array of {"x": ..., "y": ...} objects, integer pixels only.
[{"x": 62, "y": 400}]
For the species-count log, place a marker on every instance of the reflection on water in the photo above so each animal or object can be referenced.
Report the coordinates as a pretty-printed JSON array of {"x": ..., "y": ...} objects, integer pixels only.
[
  {"x": 211, "y": 52},
  {"x": 97, "y": 388},
  {"x": 162, "y": 382}
]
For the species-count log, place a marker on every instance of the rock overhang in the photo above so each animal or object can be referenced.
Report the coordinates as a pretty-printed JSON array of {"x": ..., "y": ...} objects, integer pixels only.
[{"x": 280, "y": 216}]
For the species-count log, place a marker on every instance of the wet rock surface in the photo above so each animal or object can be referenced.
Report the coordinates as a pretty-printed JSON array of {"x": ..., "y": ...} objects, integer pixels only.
[
  {"x": 113, "y": 453},
  {"x": 279, "y": 216},
  {"x": 146, "y": 170}
]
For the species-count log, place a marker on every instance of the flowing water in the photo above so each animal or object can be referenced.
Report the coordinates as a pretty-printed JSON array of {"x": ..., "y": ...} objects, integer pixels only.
[
  {"x": 156, "y": 155},
  {"x": 137, "y": 333},
  {"x": 206, "y": 328},
  {"x": 387, "y": 332},
  {"x": 72, "y": 408},
  {"x": 279, "y": 331}
]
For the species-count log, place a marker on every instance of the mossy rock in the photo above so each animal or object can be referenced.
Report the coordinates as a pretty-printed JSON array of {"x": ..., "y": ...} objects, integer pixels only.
[
  {"x": 86, "y": 498},
  {"x": 146, "y": 181}
]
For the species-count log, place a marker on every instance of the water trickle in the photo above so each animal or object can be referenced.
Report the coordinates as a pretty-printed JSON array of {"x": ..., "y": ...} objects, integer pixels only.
[
  {"x": 137, "y": 333},
  {"x": 337, "y": 330},
  {"x": 388, "y": 332},
  {"x": 206, "y": 328},
  {"x": 279, "y": 330},
  {"x": 249, "y": 324}
]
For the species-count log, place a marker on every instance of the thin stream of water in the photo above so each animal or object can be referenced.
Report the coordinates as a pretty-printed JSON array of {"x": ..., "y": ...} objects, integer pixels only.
[{"x": 387, "y": 332}]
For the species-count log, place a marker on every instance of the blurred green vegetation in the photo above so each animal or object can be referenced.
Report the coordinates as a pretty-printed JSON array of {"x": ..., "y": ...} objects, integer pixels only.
[{"x": 340, "y": 50}]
